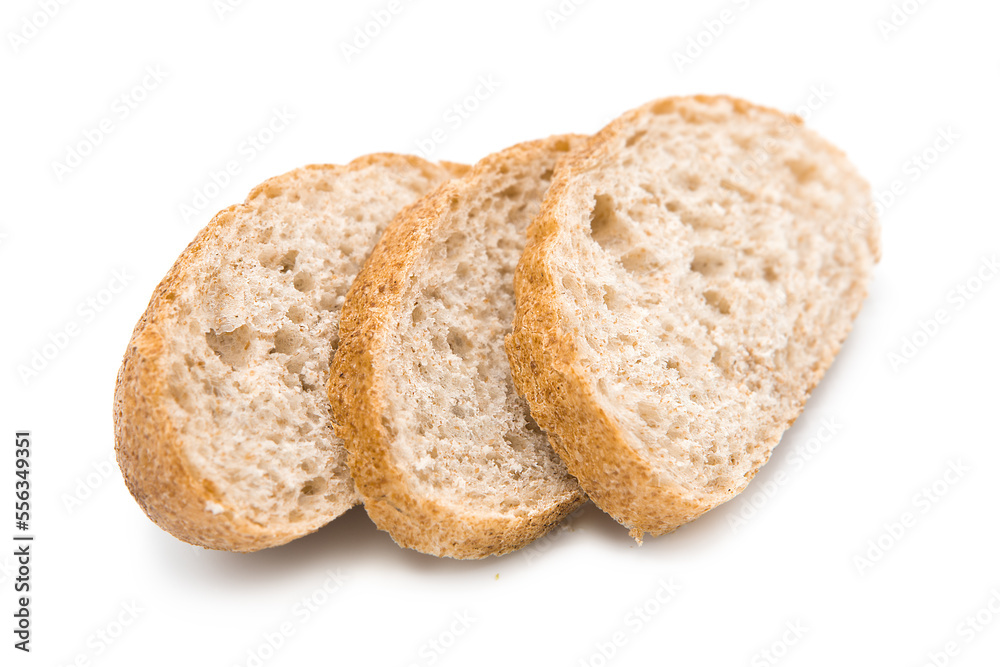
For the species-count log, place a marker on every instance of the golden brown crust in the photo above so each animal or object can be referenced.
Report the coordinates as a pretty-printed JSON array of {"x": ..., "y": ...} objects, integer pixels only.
[
  {"x": 357, "y": 396},
  {"x": 148, "y": 448},
  {"x": 546, "y": 368}
]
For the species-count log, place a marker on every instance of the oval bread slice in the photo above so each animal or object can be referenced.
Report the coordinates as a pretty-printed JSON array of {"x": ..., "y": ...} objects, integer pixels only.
[
  {"x": 689, "y": 279},
  {"x": 443, "y": 450},
  {"x": 222, "y": 421}
]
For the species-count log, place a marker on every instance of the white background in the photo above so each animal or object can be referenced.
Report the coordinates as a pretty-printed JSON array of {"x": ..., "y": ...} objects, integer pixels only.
[{"x": 802, "y": 556}]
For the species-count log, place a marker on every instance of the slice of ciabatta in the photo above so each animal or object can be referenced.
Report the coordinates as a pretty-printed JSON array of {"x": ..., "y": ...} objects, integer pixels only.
[
  {"x": 442, "y": 448},
  {"x": 689, "y": 279},
  {"x": 222, "y": 421}
]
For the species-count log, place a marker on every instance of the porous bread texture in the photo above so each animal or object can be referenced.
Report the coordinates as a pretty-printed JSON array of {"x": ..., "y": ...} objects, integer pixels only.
[
  {"x": 443, "y": 450},
  {"x": 223, "y": 426},
  {"x": 691, "y": 276}
]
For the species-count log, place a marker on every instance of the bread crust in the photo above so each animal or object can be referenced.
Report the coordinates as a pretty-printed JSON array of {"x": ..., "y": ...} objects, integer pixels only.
[
  {"x": 547, "y": 370},
  {"x": 148, "y": 448},
  {"x": 358, "y": 399}
]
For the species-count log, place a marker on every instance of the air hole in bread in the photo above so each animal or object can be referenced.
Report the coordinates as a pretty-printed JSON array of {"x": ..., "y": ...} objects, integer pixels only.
[
  {"x": 606, "y": 228},
  {"x": 709, "y": 262},
  {"x": 562, "y": 145},
  {"x": 330, "y": 301},
  {"x": 547, "y": 175},
  {"x": 265, "y": 235},
  {"x": 313, "y": 487},
  {"x": 233, "y": 347},
  {"x": 294, "y": 366},
  {"x": 512, "y": 192},
  {"x": 573, "y": 286},
  {"x": 287, "y": 340},
  {"x": 516, "y": 441},
  {"x": 639, "y": 260},
  {"x": 691, "y": 181},
  {"x": 287, "y": 261},
  {"x": 454, "y": 244},
  {"x": 418, "y": 315},
  {"x": 723, "y": 360},
  {"x": 458, "y": 343},
  {"x": 803, "y": 170},
  {"x": 613, "y": 299},
  {"x": 634, "y": 139},
  {"x": 177, "y": 390},
  {"x": 650, "y": 414},
  {"x": 770, "y": 273},
  {"x": 717, "y": 301},
  {"x": 303, "y": 281}
]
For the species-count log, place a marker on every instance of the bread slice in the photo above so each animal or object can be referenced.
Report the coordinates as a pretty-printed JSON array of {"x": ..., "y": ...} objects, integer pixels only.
[
  {"x": 443, "y": 450},
  {"x": 222, "y": 422},
  {"x": 689, "y": 279}
]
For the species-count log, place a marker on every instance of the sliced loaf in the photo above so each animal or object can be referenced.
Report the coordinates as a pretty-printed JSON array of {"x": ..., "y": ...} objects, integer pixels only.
[
  {"x": 443, "y": 450},
  {"x": 222, "y": 422},
  {"x": 690, "y": 278}
]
